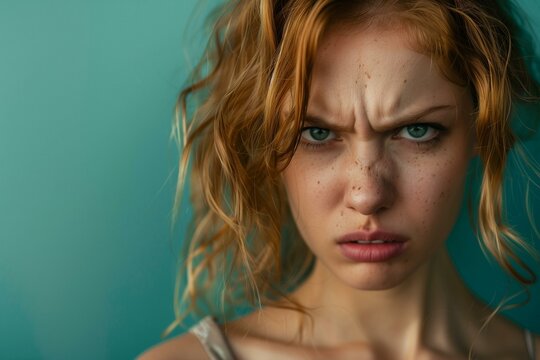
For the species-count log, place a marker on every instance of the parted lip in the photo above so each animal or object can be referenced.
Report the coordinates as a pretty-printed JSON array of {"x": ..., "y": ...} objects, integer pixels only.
[{"x": 371, "y": 236}]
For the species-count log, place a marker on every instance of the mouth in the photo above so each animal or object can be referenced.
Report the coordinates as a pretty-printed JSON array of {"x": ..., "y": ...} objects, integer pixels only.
[
  {"x": 372, "y": 237},
  {"x": 373, "y": 242},
  {"x": 372, "y": 247}
]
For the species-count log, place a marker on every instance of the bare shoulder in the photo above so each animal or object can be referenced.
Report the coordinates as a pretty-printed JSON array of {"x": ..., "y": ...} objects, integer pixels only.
[
  {"x": 511, "y": 336},
  {"x": 185, "y": 347},
  {"x": 270, "y": 323}
]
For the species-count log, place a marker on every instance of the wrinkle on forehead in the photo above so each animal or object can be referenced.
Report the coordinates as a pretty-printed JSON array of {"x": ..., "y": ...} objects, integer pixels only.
[{"x": 373, "y": 74}]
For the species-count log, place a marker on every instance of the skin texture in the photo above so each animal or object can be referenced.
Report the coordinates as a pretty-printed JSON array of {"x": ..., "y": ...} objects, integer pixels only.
[
  {"x": 361, "y": 166},
  {"x": 370, "y": 173}
]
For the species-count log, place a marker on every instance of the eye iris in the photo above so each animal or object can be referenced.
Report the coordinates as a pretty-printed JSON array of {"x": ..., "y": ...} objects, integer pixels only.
[
  {"x": 319, "y": 134},
  {"x": 417, "y": 131}
]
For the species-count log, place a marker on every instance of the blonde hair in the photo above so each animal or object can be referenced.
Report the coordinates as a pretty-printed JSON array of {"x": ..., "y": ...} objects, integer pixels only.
[{"x": 237, "y": 140}]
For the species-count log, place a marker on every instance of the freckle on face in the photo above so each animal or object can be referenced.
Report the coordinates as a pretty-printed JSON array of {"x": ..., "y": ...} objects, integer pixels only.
[{"x": 421, "y": 206}]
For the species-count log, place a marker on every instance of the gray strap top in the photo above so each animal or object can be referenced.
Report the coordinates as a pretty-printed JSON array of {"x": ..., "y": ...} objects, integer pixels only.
[
  {"x": 212, "y": 339},
  {"x": 529, "y": 340},
  {"x": 217, "y": 347}
]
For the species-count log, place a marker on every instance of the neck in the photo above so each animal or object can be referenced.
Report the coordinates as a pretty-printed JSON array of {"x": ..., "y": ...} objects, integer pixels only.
[{"x": 427, "y": 310}]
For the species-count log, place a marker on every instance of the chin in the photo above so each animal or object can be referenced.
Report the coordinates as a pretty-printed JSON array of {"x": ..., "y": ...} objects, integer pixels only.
[{"x": 375, "y": 277}]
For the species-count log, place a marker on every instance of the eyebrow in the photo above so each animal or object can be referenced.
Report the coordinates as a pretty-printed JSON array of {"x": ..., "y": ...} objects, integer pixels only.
[
  {"x": 388, "y": 123},
  {"x": 408, "y": 118}
]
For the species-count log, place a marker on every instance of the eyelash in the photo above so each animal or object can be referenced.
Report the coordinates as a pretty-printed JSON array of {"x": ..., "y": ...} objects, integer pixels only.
[
  {"x": 311, "y": 145},
  {"x": 426, "y": 144},
  {"x": 421, "y": 144}
]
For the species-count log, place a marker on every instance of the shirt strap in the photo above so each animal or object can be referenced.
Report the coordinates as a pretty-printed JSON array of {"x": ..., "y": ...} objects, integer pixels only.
[
  {"x": 529, "y": 340},
  {"x": 212, "y": 339}
]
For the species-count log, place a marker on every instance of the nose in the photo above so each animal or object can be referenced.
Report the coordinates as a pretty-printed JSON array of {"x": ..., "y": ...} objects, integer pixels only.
[{"x": 371, "y": 189}]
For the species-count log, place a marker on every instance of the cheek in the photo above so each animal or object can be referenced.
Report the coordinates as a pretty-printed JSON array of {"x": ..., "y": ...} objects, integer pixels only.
[
  {"x": 432, "y": 191},
  {"x": 311, "y": 189}
]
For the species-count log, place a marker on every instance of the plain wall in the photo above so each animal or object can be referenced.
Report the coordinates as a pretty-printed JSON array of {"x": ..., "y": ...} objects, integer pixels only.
[{"x": 87, "y": 176}]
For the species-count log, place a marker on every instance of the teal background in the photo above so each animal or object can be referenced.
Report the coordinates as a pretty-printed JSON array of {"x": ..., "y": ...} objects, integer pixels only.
[{"x": 87, "y": 175}]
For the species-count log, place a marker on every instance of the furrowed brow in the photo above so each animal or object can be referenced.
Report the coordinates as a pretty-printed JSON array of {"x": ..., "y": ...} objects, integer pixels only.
[
  {"x": 390, "y": 122},
  {"x": 315, "y": 121},
  {"x": 404, "y": 119}
]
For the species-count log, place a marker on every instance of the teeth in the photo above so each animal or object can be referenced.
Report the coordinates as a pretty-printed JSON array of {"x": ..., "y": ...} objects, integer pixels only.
[{"x": 372, "y": 242}]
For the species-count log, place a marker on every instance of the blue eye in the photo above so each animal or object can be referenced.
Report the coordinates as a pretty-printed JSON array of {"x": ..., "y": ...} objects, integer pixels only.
[
  {"x": 419, "y": 132},
  {"x": 317, "y": 135}
]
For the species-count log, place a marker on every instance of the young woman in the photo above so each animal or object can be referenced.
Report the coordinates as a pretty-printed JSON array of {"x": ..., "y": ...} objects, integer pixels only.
[{"x": 330, "y": 150}]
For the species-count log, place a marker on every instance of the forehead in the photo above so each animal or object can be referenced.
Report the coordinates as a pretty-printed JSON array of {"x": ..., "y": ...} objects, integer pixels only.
[
  {"x": 376, "y": 70},
  {"x": 361, "y": 47}
]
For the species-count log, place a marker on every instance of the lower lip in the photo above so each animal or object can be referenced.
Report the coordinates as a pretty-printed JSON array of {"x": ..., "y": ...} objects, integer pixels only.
[{"x": 371, "y": 252}]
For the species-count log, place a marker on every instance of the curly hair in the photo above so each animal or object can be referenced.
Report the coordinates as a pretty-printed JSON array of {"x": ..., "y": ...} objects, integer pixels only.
[{"x": 237, "y": 141}]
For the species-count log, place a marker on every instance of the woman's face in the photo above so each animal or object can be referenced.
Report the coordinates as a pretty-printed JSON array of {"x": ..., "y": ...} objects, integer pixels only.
[{"x": 376, "y": 183}]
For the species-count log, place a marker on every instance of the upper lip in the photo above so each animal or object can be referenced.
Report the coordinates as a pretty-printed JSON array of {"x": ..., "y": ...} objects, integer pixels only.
[{"x": 371, "y": 236}]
